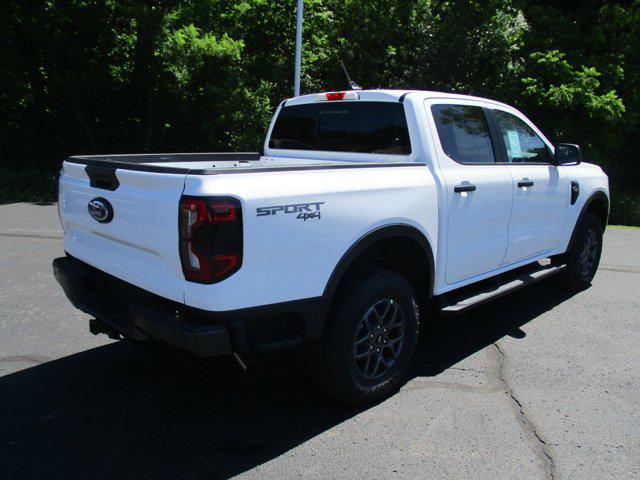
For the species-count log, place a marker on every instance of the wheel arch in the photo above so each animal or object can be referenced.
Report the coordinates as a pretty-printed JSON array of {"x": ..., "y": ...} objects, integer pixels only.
[
  {"x": 598, "y": 204},
  {"x": 378, "y": 242}
]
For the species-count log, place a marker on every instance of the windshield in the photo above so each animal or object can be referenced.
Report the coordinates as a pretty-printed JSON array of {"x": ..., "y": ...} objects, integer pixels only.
[{"x": 351, "y": 126}]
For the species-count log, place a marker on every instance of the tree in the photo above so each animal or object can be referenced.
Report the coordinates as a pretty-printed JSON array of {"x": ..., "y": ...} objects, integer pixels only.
[{"x": 101, "y": 76}]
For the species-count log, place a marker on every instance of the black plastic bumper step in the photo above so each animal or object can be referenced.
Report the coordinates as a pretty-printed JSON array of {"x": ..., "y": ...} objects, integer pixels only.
[{"x": 469, "y": 297}]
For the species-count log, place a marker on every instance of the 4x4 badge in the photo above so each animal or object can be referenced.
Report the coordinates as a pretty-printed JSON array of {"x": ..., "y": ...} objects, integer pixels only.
[{"x": 305, "y": 211}]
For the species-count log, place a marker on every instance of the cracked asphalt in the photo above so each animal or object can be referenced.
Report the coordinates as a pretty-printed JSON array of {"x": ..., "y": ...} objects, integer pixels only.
[{"x": 541, "y": 384}]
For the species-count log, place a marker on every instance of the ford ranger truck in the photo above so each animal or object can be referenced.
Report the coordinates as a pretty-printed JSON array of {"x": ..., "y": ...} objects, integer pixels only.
[{"x": 363, "y": 208}]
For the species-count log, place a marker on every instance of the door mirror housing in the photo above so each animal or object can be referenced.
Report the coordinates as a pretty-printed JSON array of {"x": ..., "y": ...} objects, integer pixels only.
[{"x": 568, "y": 154}]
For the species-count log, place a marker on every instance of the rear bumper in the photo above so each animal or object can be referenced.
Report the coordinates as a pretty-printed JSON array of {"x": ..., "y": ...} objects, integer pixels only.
[
  {"x": 140, "y": 315},
  {"x": 137, "y": 314}
]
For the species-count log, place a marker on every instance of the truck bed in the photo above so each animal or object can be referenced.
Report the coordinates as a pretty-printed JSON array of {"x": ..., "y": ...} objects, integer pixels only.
[{"x": 212, "y": 163}]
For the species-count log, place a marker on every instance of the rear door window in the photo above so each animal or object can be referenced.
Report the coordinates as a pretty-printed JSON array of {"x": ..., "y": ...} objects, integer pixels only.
[
  {"x": 464, "y": 133},
  {"x": 353, "y": 126}
]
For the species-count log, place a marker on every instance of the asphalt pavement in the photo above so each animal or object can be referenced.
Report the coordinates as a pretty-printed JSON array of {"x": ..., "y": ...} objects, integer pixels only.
[{"x": 542, "y": 384}]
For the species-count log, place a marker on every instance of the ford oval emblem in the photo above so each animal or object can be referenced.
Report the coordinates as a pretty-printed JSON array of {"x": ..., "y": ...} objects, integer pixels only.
[{"x": 101, "y": 210}]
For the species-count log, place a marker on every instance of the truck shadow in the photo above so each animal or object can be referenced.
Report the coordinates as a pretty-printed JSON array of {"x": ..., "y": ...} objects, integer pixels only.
[{"x": 126, "y": 411}]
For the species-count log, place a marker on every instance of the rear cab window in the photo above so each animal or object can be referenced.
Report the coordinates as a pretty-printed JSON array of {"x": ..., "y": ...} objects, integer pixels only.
[{"x": 343, "y": 126}]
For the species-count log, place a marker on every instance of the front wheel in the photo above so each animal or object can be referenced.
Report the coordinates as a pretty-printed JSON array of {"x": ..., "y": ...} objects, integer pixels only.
[
  {"x": 367, "y": 348},
  {"x": 584, "y": 257}
]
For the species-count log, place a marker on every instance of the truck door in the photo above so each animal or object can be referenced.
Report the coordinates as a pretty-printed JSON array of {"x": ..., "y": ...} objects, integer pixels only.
[
  {"x": 478, "y": 190},
  {"x": 541, "y": 190}
]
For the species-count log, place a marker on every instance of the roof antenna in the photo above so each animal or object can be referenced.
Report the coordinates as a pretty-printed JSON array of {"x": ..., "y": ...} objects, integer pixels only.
[{"x": 353, "y": 85}]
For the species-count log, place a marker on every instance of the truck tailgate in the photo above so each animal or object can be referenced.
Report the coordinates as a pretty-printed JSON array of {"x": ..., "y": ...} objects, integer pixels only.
[{"x": 140, "y": 243}]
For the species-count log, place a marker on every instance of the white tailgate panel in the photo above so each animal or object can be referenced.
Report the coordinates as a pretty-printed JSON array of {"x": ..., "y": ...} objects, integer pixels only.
[{"x": 140, "y": 244}]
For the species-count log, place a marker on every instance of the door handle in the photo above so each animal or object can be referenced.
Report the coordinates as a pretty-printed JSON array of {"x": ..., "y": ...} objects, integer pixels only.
[
  {"x": 467, "y": 187},
  {"x": 525, "y": 183}
]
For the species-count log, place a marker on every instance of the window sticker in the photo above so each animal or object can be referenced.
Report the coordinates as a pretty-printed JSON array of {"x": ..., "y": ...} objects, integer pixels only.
[{"x": 513, "y": 145}]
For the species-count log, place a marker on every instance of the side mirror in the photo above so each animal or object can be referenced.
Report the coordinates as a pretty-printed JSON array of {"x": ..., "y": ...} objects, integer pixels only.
[{"x": 568, "y": 154}]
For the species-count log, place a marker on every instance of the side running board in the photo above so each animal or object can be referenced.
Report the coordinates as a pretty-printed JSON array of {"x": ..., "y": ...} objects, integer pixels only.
[{"x": 469, "y": 297}]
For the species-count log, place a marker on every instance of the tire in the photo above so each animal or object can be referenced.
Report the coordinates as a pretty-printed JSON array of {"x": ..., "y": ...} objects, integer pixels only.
[
  {"x": 584, "y": 257},
  {"x": 375, "y": 314}
]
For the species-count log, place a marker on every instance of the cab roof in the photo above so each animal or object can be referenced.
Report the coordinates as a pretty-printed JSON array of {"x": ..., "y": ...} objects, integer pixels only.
[{"x": 387, "y": 95}]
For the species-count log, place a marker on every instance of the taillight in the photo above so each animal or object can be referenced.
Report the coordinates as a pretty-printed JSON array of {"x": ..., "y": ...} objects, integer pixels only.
[
  {"x": 210, "y": 238},
  {"x": 333, "y": 96}
]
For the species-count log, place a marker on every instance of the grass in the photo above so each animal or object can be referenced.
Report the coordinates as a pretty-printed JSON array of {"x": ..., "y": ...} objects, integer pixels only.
[{"x": 623, "y": 226}]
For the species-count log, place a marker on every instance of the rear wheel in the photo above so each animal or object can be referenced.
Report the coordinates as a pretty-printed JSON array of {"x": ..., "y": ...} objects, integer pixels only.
[
  {"x": 584, "y": 257},
  {"x": 367, "y": 348}
]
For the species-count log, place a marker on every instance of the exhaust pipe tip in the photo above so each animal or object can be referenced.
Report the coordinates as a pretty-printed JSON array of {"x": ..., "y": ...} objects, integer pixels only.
[
  {"x": 98, "y": 327},
  {"x": 250, "y": 369}
]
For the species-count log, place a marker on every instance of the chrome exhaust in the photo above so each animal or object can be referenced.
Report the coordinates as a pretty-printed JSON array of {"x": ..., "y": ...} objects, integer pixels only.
[{"x": 250, "y": 368}]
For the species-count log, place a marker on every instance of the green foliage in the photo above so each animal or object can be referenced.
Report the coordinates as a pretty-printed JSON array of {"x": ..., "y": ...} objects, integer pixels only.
[
  {"x": 625, "y": 209},
  {"x": 571, "y": 103},
  {"x": 559, "y": 85},
  {"x": 185, "y": 51},
  {"x": 111, "y": 76},
  {"x": 28, "y": 184}
]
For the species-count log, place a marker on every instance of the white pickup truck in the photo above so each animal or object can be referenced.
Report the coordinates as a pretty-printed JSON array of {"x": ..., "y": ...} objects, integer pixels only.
[{"x": 362, "y": 208}]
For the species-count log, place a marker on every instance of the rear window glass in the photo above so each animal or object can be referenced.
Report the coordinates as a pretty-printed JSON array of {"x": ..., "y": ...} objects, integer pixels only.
[
  {"x": 361, "y": 127},
  {"x": 464, "y": 133}
]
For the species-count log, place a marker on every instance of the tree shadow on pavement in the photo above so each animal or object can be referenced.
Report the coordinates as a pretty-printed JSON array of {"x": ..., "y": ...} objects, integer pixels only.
[{"x": 132, "y": 411}]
